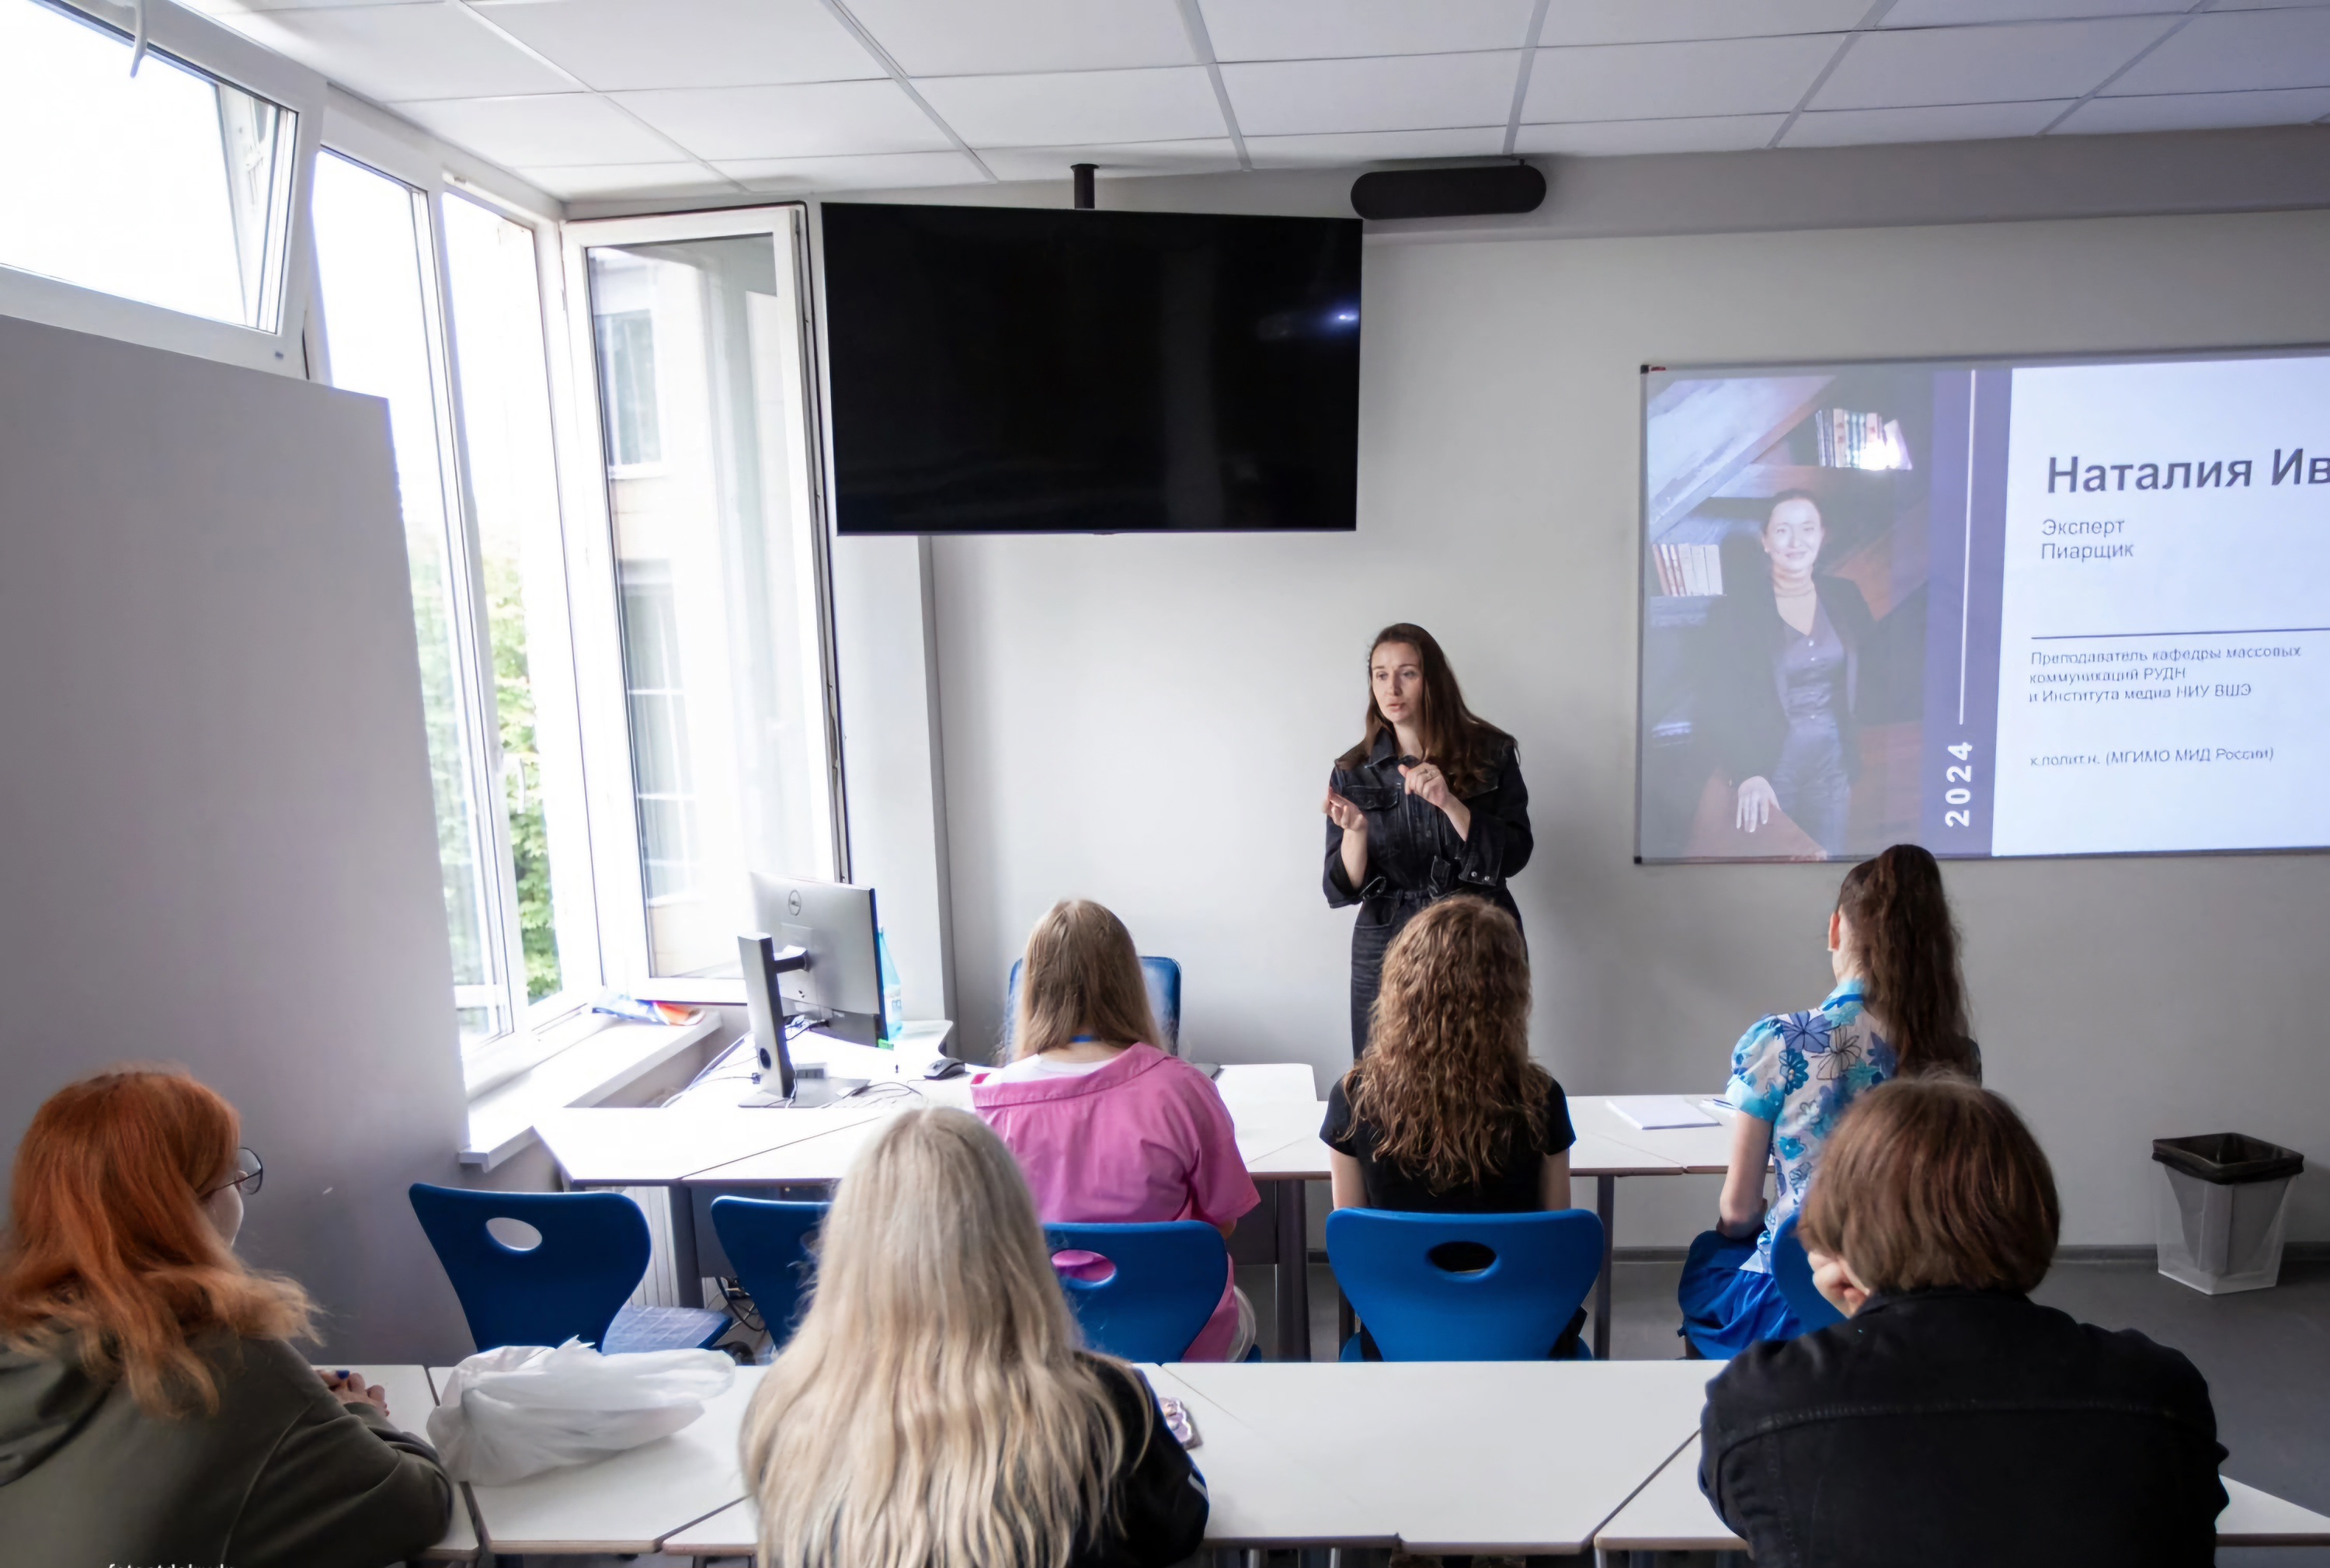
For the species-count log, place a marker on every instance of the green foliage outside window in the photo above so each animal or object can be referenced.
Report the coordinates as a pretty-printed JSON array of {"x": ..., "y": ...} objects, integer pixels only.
[{"x": 522, "y": 777}]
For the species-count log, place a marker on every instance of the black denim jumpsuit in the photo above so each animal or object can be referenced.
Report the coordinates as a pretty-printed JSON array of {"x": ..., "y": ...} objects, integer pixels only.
[{"x": 1414, "y": 856}]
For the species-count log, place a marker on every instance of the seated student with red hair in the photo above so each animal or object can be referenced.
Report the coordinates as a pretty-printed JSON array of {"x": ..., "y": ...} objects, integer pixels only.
[
  {"x": 151, "y": 1411},
  {"x": 1951, "y": 1420}
]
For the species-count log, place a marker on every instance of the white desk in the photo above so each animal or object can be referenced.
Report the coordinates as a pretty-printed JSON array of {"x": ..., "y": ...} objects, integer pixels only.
[
  {"x": 712, "y": 1143},
  {"x": 1671, "y": 1514},
  {"x": 411, "y": 1398},
  {"x": 1696, "y": 1150},
  {"x": 629, "y": 1503},
  {"x": 1478, "y": 1457},
  {"x": 1260, "y": 1494}
]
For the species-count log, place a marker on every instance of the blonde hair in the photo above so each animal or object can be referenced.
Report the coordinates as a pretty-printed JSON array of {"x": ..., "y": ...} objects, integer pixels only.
[
  {"x": 1082, "y": 976},
  {"x": 934, "y": 1409}
]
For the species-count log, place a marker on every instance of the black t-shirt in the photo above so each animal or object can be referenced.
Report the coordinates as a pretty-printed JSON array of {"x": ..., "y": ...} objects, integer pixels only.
[{"x": 1517, "y": 1185}]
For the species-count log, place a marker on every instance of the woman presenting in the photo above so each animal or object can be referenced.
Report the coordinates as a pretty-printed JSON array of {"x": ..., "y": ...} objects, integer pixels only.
[
  {"x": 1430, "y": 802},
  {"x": 1785, "y": 672}
]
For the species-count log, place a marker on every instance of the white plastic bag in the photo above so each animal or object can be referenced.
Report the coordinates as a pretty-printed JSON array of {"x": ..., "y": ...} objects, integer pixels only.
[{"x": 509, "y": 1413}]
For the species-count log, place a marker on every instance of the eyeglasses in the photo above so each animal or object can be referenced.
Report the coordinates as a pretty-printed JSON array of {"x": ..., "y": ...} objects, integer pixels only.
[{"x": 252, "y": 1174}]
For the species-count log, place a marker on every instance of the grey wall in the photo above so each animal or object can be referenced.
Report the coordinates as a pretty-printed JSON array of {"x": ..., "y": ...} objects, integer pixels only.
[
  {"x": 1149, "y": 721},
  {"x": 219, "y": 847}
]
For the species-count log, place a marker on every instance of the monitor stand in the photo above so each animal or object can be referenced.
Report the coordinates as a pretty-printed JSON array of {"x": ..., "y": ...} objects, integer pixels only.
[{"x": 811, "y": 1089}]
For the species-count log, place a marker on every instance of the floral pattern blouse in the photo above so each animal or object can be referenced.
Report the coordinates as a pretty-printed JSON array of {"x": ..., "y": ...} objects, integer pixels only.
[{"x": 1800, "y": 1072}]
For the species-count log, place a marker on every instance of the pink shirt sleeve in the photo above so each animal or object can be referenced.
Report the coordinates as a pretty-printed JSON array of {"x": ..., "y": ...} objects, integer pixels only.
[{"x": 1220, "y": 1190}]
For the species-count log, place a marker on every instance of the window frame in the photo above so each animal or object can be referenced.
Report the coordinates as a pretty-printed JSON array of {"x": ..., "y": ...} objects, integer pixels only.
[
  {"x": 374, "y": 141},
  {"x": 198, "y": 42},
  {"x": 617, "y": 843}
]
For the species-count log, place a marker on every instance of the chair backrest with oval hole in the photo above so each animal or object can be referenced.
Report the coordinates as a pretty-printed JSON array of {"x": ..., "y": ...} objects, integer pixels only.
[
  {"x": 1143, "y": 1292},
  {"x": 590, "y": 1252},
  {"x": 1464, "y": 1287},
  {"x": 768, "y": 1244},
  {"x": 1792, "y": 1272}
]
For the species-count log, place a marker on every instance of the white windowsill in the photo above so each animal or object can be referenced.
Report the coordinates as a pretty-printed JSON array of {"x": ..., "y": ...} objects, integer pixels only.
[{"x": 592, "y": 1069}]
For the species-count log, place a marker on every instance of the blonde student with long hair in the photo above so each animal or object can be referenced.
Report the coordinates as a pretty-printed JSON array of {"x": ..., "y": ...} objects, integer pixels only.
[
  {"x": 935, "y": 1409},
  {"x": 1109, "y": 1129}
]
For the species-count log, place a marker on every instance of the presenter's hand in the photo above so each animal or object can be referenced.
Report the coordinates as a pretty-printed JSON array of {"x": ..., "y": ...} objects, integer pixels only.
[
  {"x": 1346, "y": 815},
  {"x": 1836, "y": 1282},
  {"x": 1756, "y": 803},
  {"x": 1428, "y": 784}
]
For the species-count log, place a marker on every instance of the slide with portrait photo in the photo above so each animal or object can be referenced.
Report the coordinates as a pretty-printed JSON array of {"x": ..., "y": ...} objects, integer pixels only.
[{"x": 1997, "y": 608}]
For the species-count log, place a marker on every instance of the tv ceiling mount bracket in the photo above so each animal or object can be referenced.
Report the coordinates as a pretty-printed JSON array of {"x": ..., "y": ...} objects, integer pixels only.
[{"x": 1084, "y": 178}]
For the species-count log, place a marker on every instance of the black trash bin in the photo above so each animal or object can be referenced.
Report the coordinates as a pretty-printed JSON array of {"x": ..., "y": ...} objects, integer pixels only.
[{"x": 2223, "y": 1210}]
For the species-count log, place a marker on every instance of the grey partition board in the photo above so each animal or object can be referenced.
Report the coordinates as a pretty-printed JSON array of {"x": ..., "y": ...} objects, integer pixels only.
[{"x": 220, "y": 848}]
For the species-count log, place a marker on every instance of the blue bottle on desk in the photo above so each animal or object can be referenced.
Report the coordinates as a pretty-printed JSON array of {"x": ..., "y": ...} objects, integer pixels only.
[{"x": 894, "y": 995}]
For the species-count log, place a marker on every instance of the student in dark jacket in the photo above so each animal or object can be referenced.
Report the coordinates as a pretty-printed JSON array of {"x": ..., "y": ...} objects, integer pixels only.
[
  {"x": 1950, "y": 1420},
  {"x": 151, "y": 1411},
  {"x": 935, "y": 1408}
]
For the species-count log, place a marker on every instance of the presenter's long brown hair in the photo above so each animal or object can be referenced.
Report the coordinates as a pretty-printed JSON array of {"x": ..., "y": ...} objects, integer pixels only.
[
  {"x": 1447, "y": 1066},
  {"x": 1466, "y": 747},
  {"x": 1080, "y": 975},
  {"x": 1908, "y": 950},
  {"x": 110, "y": 1254}
]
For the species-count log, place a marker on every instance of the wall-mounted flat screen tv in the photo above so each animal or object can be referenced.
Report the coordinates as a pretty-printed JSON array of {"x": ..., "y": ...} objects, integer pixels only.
[{"x": 999, "y": 370}]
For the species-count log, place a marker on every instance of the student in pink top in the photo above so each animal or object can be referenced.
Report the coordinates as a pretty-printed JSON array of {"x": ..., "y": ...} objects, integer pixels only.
[{"x": 1110, "y": 1129}]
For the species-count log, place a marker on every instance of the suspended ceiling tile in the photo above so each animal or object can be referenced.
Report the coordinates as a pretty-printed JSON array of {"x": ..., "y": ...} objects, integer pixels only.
[
  {"x": 1926, "y": 123},
  {"x": 555, "y": 128},
  {"x": 389, "y": 52},
  {"x": 2228, "y": 52},
  {"x": 1713, "y": 79},
  {"x": 1317, "y": 29},
  {"x": 1058, "y": 108},
  {"x": 1673, "y": 21},
  {"x": 811, "y": 120},
  {"x": 2198, "y": 111},
  {"x": 1994, "y": 64},
  {"x": 1965, "y": 13},
  {"x": 878, "y": 171},
  {"x": 1198, "y": 156},
  {"x": 995, "y": 37},
  {"x": 1723, "y": 133},
  {"x": 577, "y": 181},
  {"x": 644, "y": 43},
  {"x": 1401, "y": 92},
  {"x": 1338, "y": 148}
]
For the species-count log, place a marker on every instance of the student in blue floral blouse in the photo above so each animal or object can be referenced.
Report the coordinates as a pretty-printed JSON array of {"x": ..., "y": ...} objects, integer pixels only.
[{"x": 1899, "y": 1007}]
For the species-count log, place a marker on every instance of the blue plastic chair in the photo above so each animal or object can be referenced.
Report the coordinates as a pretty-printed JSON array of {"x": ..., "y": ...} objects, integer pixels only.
[
  {"x": 1792, "y": 1272},
  {"x": 571, "y": 1285},
  {"x": 1164, "y": 980},
  {"x": 768, "y": 1244},
  {"x": 1416, "y": 1308},
  {"x": 1168, "y": 1281}
]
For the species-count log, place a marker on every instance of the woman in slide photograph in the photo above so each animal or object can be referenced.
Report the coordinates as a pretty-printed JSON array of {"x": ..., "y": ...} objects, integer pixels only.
[
  {"x": 1785, "y": 669},
  {"x": 1430, "y": 802}
]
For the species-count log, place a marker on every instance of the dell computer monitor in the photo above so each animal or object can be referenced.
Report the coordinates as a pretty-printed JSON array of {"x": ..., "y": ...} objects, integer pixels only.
[{"x": 839, "y": 987}]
